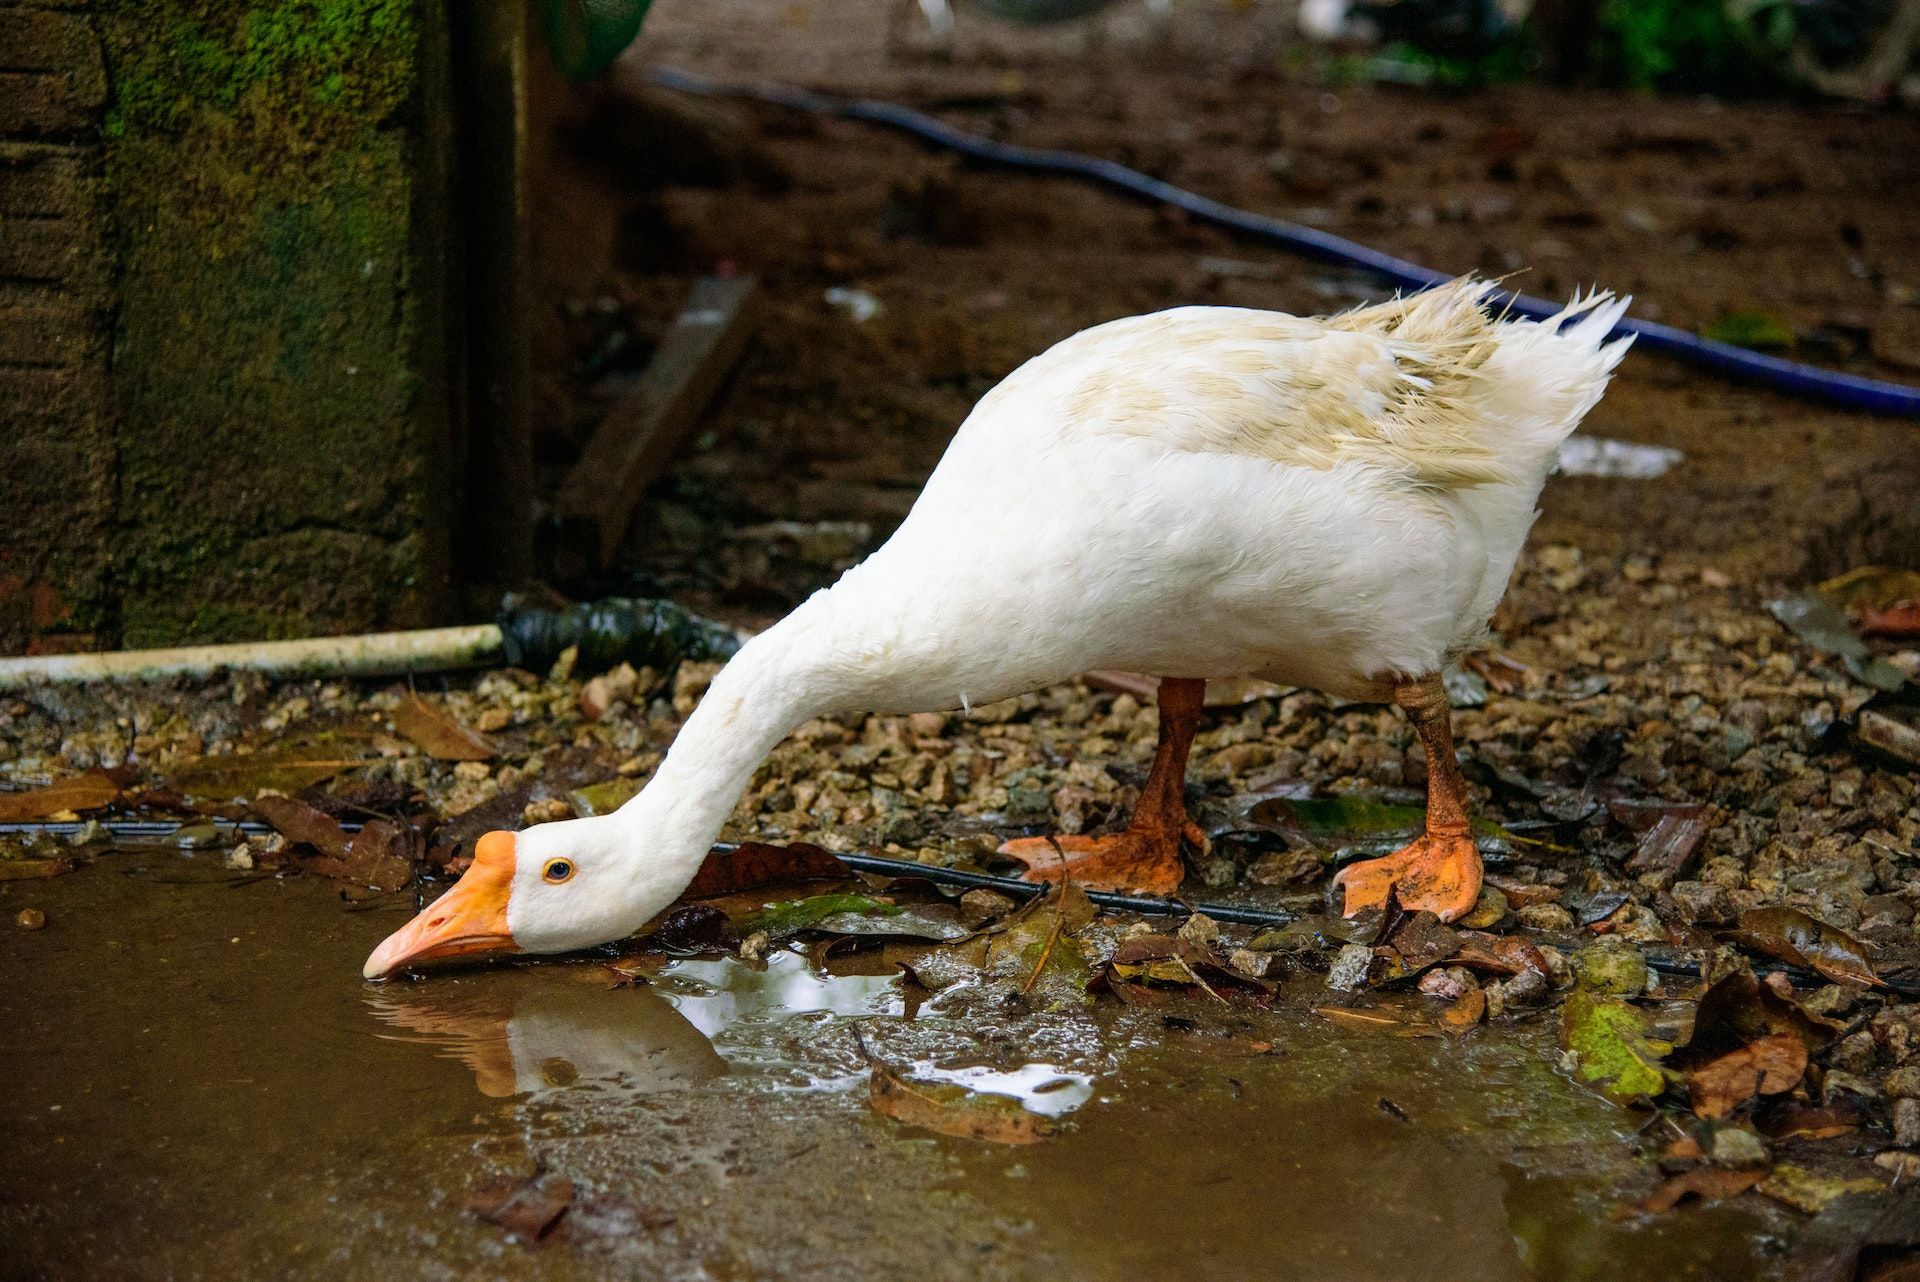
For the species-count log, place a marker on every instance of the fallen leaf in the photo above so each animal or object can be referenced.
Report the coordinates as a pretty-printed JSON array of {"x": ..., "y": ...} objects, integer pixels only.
[
  {"x": 795, "y": 915},
  {"x": 1872, "y": 587},
  {"x": 1708, "y": 1184},
  {"x": 246, "y": 775},
  {"x": 34, "y": 869},
  {"x": 1035, "y": 947},
  {"x": 1901, "y": 620},
  {"x": 1769, "y": 1066},
  {"x": 1801, "y": 1189},
  {"x": 437, "y": 733},
  {"x": 696, "y": 928},
  {"x": 753, "y": 864},
  {"x": 1670, "y": 845},
  {"x": 1736, "y": 1010},
  {"x": 1499, "y": 954},
  {"x": 1791, "y": 936},
  {"x": 1820, "y": 624},
  {"x": 90, "y": 791},
  {"x": 1611, "y": 1047},
  {"x": 953, "y": 1110},
  {"x": 1425, "y": 941},
  {"x": 1789, "y": 1118},
  {"x": 299, "y": 822},
  {"x": 1468, "y": 1010},
  {"x": 526, "y": 1206}
]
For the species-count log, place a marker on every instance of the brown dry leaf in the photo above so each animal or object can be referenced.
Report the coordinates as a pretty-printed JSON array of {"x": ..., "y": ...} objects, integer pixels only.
[
  {"x": 1900, "y": 620},
  {"x": 1803, "y": 1190},
  {"x": 437, "y": 733},
  {"x": 246, "y": 775},
  {"x": 1792, "y": 936},
  {"x": 1790, "y": 1119},
  {"x": 32, "y": 869},
  {"x": 89, "y": 791},
  {"x": 753, "y": 864},
  {"x": 1769, "y": 1066},
  {"x": 527, "y": 1207},
  {"x": 1500, "y": 954},
  {"x": 1709, "y": 1184},
  {"x": 954, "y": 1110},
  {"x": 1468, "y": 1010},
  {"x": 304, "y": 824}
]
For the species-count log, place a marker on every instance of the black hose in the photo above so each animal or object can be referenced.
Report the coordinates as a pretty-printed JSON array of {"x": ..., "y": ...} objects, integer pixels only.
[{"x": 1848, "y": 391}]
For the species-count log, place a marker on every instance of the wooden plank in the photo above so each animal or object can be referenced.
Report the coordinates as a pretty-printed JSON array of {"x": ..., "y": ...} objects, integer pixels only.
[{"x": 638, "y": 438}]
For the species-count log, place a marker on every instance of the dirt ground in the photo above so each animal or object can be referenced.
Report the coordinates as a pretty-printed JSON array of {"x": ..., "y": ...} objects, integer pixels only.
[{"x": 1636, "y": 667}]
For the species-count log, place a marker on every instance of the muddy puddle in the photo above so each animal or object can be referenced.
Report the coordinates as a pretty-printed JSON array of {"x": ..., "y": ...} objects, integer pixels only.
[{"x": 198, "y": 1084}]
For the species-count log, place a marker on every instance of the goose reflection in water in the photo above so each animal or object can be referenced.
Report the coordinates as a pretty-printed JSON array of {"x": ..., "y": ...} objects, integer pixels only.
[{"x": 542, "y": 1029}]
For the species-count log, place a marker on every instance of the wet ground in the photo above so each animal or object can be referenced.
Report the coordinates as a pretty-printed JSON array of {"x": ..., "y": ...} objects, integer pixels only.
[
  {"x": 198, "y": 1084},
  {"x": 265, "y": 1114}
]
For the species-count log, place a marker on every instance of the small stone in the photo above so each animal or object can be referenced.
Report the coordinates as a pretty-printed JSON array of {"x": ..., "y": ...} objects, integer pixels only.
[
  {"x": 1904, "y": 1166},
  {"x": 979, "y": 907},
  {"x": 607, "y": 691},
  {"x": 1489, "y": 911},
  {"x": 1832, "y": 1000},
  {"x": 1448, "y": 982},
  {"x": 1527, "y": 989},
  {"x": 552, "y": 810},
  {"x": 1200, "y": 929},
  {"x": 1285, "y": 868},
  {"x": 1838, "y": 1085},
  {"x": 1902, "y": 1083},
  {"x": 690, "y": 683},
  {"x": 1544, "y": 917},
  {"x": 1702, "y": 904},
  {"x": 1906, "y": 1123},
  {"x": 1611, "y": 965},
  {"x": 90, "y": 833},
  {"x": 240, "y": 857},
  {"x": 471, "y": 771},
  {"x": 492, "y": 720},
  {"x": 1256, "y": 965},
  {"x": 927, "y": 725},
  {"x": 562, "y": 669},
  {"x": 1854, "y": 1053},
  {"x": 1737, "y": 1146},
  {"x": 1350, "y": 967},
  {"x": 1244, "y": 758},
  {"x": 30, "y": 919},
  {"x": 754, "y": 947}
]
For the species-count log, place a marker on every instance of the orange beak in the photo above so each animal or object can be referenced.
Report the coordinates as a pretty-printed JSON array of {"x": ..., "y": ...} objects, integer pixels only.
[{"x": 470, "y": 918}]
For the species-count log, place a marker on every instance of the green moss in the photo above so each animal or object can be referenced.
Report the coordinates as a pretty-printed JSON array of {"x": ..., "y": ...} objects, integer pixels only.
[
  {"x": 276, "y": 316},
  {"x": 306, "y": 64}
]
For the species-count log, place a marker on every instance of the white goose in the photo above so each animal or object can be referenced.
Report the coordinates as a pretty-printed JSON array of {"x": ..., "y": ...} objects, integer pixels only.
[{"x": 1202, "y": 492}]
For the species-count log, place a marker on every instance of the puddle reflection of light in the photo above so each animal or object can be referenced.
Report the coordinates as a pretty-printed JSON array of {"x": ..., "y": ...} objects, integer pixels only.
[
  {"x": 714, "y": 996},
  {"x": 1041, "y": 1088}
]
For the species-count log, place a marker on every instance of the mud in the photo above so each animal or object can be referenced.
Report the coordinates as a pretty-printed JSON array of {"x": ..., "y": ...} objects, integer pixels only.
[{"x": 263, "y": 1114}]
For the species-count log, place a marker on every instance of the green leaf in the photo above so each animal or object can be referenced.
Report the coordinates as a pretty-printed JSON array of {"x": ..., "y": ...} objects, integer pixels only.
[
  {"x": 1611, "y": 1048},
  {"x": 795, "y": 915}
]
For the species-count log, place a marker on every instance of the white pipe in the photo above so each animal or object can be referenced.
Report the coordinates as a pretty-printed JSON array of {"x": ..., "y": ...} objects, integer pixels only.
[{"x": 374, "y": 655}]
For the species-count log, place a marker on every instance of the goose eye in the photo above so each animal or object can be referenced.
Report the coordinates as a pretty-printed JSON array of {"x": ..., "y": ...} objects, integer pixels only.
[{"x": 558, "y": 870}]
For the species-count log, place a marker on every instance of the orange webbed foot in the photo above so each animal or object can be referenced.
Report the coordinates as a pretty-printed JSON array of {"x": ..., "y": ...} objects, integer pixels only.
[
  {"x": 1135, "y": 861},
  {"x": 1438, "y": 873}
]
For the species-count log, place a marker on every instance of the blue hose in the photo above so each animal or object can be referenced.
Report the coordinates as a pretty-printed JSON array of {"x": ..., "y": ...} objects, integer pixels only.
[{"x": 1847, "y": 391}]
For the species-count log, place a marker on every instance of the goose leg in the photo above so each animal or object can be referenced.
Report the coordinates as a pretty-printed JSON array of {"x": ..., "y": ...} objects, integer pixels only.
[
  {"x": 1146, "y": 856},
  {"x": 1439, "y": 871}
]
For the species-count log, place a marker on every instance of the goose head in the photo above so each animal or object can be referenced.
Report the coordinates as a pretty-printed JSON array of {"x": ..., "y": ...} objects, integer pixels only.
[
  {"x": 551, "y": 888},
  {"x": 572, "y": 884}
]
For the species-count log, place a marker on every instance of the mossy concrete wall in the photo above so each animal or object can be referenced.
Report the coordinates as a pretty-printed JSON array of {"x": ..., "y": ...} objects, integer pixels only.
[{"x": 227, "y": 393}]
